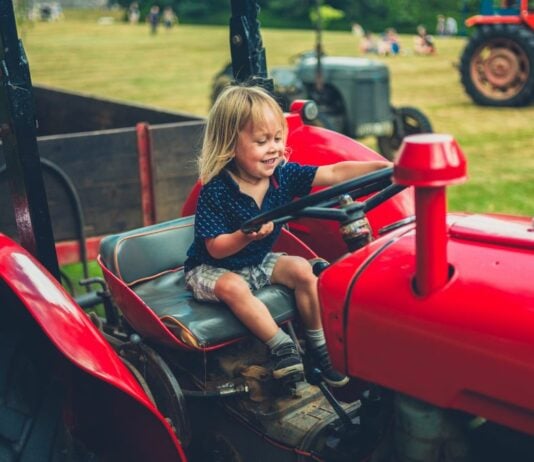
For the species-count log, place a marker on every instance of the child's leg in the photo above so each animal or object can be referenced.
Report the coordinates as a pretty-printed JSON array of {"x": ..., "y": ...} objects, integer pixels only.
[
  {"x": 232, "y": 289},
  {"x": 296, "y": 273},
  {"x": 215, "y": 284}
]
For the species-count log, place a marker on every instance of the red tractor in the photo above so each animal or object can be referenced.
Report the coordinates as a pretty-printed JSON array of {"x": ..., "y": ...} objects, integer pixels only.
[
  {"x": 430, "y": 315},
  {"x": 497, "y": 65}
]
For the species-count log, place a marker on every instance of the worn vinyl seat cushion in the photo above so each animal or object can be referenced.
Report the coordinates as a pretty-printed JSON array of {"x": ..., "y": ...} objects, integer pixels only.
[{"x": 150, "y": 262}]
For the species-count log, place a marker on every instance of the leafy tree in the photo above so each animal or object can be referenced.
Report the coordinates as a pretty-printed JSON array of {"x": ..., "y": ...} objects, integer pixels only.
[
  {"x": 374, "y": 15},
  {"x": 325, "y": 14}
]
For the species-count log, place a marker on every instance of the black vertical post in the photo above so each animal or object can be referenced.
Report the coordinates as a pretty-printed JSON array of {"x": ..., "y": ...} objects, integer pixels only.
[
  {"x": 319, "y": 80},
  {"x": 19, "y": 141},
  {"x": 246, "y": 47}
]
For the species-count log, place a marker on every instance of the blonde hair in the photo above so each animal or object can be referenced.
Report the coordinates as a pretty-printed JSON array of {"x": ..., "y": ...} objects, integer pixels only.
[{"x": 233, "y": 109}]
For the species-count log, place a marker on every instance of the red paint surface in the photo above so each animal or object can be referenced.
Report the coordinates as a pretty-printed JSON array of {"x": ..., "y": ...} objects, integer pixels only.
[
  {"x": 146, "y": 177},
  {"x": 480, "y": 20},
  {"x": 431, "y": 240},
  {"x": 467, "y": 346},
  {"x": 429, "y": 162},
  {"x": 69, "y": 251},
  {"x": 524, "y": 15}
]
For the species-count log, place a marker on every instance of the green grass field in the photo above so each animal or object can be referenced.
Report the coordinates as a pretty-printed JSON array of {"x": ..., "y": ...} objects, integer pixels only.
[{"x": 174, "y": 70}]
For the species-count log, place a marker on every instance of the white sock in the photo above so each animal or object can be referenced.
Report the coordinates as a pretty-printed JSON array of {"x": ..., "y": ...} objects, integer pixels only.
[
  {"x": 315, "y": 337},
  {"x": 279, "y": 339}
]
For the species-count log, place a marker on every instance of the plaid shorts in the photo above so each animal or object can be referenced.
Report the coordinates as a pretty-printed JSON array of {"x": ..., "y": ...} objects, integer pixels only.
[{"x": 201, "y": 279}]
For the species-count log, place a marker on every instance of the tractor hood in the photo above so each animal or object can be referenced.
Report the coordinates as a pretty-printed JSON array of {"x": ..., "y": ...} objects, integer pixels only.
[
  {"x": 341, "y": 65},
  {"x": 339, "y": 69},
  {"x": 469, "y": 345}
]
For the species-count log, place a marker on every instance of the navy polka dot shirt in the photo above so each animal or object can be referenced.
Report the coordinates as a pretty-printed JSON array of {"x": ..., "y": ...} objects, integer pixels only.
[{"x": 222, "y": 208}]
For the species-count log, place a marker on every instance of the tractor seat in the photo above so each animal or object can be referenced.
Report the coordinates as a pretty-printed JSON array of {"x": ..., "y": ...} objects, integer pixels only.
[{"x": 144, "y": 271}]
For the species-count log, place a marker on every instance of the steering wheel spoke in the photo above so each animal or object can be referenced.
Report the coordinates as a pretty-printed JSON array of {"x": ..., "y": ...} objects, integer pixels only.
[
  {"x": 325, "y": 213},
  {"x": 324, "y": 204},
  {"x": 382, "y": 196}
]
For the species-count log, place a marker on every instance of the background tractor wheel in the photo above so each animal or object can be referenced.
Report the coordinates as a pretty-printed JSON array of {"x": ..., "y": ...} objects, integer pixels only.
[
  {"x": 497, "y": 65},
  {"x": 407, "y": 121}
]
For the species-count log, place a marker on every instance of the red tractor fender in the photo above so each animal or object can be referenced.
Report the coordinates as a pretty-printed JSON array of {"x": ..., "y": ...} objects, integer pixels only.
[
  {"x": 310, "y": 145},
  {"x": 480, "y": 20},
  {"x": 78, "y": 341},
  {"x": 522, "y": 14}
]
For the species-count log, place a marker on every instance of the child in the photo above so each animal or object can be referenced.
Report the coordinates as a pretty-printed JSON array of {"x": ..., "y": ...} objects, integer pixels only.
[{"x": 244, "y": 171}]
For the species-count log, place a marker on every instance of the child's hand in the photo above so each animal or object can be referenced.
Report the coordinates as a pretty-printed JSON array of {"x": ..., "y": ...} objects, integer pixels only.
[{"x": 264, "y": 231}]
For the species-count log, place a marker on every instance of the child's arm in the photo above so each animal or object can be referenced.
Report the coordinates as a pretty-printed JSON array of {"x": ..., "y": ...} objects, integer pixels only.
[
  {"x": 225, "y": 245},
  {"x": 328, "y": 175}
]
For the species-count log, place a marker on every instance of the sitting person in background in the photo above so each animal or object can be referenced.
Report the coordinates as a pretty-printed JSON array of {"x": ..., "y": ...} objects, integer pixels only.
[
  {"x": 368, "y": 43},
  {"x": 423, "y": 42},
  {"x": 389, "y": 45}
]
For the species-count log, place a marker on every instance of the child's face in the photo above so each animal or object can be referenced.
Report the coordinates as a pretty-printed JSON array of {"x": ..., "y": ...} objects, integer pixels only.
[{"x": 260, "y": 148}]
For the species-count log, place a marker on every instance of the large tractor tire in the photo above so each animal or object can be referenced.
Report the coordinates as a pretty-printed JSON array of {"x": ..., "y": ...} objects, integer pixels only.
[{"x": 497, "y": 65}]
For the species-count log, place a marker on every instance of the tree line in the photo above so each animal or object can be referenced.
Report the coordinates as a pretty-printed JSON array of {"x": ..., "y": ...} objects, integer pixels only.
[{"x": 372, "y": 15}]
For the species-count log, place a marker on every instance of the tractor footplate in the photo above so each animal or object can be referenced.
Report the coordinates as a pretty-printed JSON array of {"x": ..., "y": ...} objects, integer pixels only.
[{"x": 288, "y": 385}]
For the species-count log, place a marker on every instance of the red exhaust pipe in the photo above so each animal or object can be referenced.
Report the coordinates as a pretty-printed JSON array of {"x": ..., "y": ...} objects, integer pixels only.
[{"x": 430, "y": 162}]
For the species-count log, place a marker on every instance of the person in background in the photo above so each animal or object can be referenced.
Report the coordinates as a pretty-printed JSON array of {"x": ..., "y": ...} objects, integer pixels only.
[
  {"x": 440, "y": 25},
  {"x": 389, "y": 45},
  {"x": 153, "y": 19},
  {"x": 244, "y": 170},
  {"x": 357, "y": 30},
  {"x": 169, "y": 18},
  {"x": 368, "y": 43},
  {"x": 423, "y": 42},
  {"x": 451, "y": 26},
  {"x": 133, "y": 13}
]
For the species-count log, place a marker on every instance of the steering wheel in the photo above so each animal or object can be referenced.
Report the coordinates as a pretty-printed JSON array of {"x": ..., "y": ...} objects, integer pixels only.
[{"x": 323, "y": 204}]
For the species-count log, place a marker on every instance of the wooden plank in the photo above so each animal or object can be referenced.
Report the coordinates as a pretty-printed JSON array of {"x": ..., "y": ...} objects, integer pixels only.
[
  {"x": 175, "y": 149},
  {"x": 103, "y": 167},
  {"x": 60, "y": 112}
]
